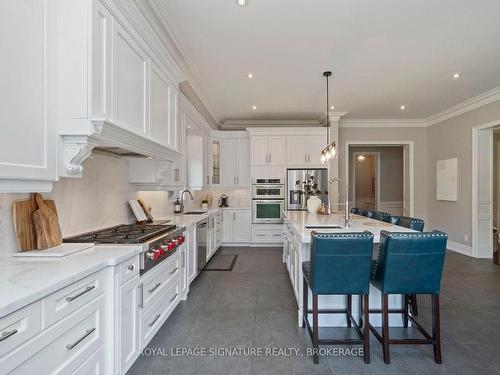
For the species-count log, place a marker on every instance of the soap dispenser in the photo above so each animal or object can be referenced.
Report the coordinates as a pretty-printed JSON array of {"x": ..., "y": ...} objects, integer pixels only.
[{"x": 177, "y": 207}]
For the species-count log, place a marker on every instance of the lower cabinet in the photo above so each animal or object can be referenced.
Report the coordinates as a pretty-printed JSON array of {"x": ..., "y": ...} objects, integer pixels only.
[
  {"x": 129, "y": 323},
  {"x": 192, "y": 252},
  {"x": 183, "y": 269},
  {"x": 237, "y": 226},
  {"x": 267, "y": 233}
]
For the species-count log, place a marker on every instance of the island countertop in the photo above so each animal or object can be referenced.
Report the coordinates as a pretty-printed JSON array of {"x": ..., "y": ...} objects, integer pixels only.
[{"x": 300, "y": 220}]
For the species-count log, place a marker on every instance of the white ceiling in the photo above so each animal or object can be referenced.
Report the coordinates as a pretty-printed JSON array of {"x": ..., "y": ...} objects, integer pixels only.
[{"x": 384, "y": 54}]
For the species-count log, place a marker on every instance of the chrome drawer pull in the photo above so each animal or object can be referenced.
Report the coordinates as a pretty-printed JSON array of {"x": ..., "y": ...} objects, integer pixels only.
[
  {"x": 88, "y": 332},
  {"x": 157, "y": 285},
  {"x": 130, "y": 267},
  {"x": 154, "y": 320},
  {"x": 7, "y": 334},
  {"x": 174, "y": 297},
  {"x": 174, "y": 271},
  {"x": 86, "y": 290}
]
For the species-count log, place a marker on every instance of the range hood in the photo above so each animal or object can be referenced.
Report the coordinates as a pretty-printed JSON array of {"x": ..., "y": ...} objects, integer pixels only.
[{"x": 78, "y": 142}]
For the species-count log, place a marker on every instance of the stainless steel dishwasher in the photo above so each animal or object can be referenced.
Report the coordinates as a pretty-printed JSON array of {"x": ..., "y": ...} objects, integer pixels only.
[{"x": 201, "y": 239}]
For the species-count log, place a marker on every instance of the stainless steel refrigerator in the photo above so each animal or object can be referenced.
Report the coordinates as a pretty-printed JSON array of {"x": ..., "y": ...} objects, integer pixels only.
[{"x": 296, "y": 197}]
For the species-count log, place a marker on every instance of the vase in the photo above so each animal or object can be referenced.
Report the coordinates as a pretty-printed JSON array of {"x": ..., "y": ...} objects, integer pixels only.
[{"x": 313, "y": 204}]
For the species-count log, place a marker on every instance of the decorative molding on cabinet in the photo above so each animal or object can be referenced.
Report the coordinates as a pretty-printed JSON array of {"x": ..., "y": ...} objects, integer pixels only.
[{"x": 76, "y": 150}]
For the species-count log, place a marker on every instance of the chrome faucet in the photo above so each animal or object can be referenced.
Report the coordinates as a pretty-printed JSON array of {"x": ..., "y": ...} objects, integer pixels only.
[
  {"x": 346, "y": 191},
  {"x": 182, "y": 199}
]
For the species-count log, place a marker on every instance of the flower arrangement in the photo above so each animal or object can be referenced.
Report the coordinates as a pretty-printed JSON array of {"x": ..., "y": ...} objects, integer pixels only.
[{"x": 309, "y": 187}]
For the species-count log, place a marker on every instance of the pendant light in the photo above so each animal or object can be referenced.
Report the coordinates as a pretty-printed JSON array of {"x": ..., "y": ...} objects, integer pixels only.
[{"x": 330, "y": 151}]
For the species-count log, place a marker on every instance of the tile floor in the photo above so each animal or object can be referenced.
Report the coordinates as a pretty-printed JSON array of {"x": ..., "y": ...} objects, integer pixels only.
[{"x": 253, "y": 307}]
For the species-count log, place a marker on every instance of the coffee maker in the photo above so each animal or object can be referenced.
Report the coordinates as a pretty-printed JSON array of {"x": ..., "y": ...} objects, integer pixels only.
[{"x": 224, "y": 201}]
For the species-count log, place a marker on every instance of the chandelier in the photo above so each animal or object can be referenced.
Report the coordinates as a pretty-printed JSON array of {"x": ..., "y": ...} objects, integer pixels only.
[{"x": 330, "y": 151}]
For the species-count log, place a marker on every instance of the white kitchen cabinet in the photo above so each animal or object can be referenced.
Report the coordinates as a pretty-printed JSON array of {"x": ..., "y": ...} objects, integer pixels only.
[
  {"x": 29, "y": 130},
  {"x": 154, "y": 174},
  {"x": 236, "y": 226},
  {"x": 235, "y": 166},
  {"x": 183, "y": 279},
  {"x": 130, "y": 82},
  {"x": 268, "y": 150},
  {"x": 304, "y": 150},
  {"x": 163, "y": 109},
  {"x": 192, "y": 252},
  {"x": 267, "y": 233},
  {"x": 129, "y": 323}
]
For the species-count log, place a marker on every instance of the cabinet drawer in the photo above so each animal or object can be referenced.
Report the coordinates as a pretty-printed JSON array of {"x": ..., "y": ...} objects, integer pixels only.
[
  {"x": 66, "y": 300},
  {"x": 267, "y": 235},
  {"x": 19, "y": 326},
  {"x": 153, "y": 318},
  {"x": 129, "y": 269},
  {"x": 95, "y": 365},
  {"x": 156, "y": 282},
  {"x": 62, "y": 348}
]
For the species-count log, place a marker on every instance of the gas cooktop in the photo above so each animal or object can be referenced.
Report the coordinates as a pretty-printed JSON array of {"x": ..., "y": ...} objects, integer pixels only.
[{"x": 123, "y": 234}]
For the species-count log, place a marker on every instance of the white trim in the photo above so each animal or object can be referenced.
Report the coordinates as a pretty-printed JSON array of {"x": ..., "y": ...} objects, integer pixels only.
[
  {"x": 466, "y": 106},
  {"x": 377, "y": 176},
  {"x": 381, "y": 123},
  {"x": 460, "y": 248},
  {"x": 257, "y": 123},
  {"x": 410, "y": 144}
]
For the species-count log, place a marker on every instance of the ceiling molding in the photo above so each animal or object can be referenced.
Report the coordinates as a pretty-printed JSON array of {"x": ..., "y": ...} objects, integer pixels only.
[
  {"x": 383, "y": 123},
  {"x": 162, "y": 22},
  {"x": 243, "y": 124},
  {"x": 464, "y": 107}
]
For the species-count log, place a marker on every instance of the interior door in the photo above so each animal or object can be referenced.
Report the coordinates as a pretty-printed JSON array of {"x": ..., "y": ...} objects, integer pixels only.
[
  {"x": 483, "y": 239},
  {"x": 406, "y": 182}
]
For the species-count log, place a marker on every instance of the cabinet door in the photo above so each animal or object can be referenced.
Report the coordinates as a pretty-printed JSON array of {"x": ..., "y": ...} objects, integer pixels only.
[
  {"x": 192, "y": 252},
  {"x": 28, "y": 126},
  {"x": 242, "y": 151},
  {"x": 316, "y": 144},
  {"x": 242, "y": 230},
  {"x": 184, "y": 271},
  {"x": 258, "y": 150},
  {"x": 160, "y": 107},
  {"x": 173, "y": 125},
  {"x": 129, "y": 323},
  {"x": 228, "y": 162},
  {"x": 130, "y": 88},
  {"x": 277, "y": 150},
  {"x": 296, "y": 150},
  {"x": 228, "y": 225}
]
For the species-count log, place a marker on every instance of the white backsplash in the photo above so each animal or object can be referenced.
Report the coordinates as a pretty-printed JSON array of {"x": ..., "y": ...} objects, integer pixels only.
[
  {"x": 236, "y": 198},
  {"x": 97, "y": 200}
]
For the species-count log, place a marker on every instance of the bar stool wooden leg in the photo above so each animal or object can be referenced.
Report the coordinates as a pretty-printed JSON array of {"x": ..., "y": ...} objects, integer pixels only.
[
  {"x": 436, "y": 328},
  {"x": 349, "y": 310},
  {"x": 406, "y": 299},
  {"x": 305, "y": 295},
  {"x": 361, "y": 312},
  {"x": 315, "y": 329},
  {"x": 366, "y": 330},
  {"x": 385, "y": 328},
  {"x": 413, "y": 303}
]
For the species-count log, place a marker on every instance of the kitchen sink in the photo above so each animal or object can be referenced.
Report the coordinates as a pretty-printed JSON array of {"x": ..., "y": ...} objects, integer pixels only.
[
  {"x": 324, "y": 227},
  {"x": 195, "y": 213}
]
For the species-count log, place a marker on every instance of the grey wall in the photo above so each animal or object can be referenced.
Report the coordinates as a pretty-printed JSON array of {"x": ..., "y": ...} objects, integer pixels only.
[
  {"x": 391, "y": 171},
  {"x": 419, "y": 138},
  {"x": 449, "y": 139}
]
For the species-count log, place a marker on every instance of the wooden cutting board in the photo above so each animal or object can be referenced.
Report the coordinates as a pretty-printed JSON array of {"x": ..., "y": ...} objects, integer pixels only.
[
  {"x": 46, "y": 222},
  {"x": 22, "y": 217}
]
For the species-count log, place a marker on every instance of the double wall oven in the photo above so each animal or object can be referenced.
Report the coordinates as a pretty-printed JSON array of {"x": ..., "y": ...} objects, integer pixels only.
[{"x": 268, "y": 200}]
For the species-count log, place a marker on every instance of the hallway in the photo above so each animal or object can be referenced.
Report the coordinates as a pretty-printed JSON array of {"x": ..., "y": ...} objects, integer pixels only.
[{"x": 253, "y": 307}]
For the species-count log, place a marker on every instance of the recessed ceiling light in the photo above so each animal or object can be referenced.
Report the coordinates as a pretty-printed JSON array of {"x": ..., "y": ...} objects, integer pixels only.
[
  {"x": 402, "y": 108},
  {"x": 456, "y": 75},
  {"x": 250, "y": 75},
  {"x": 254, "y": 107},
  {"x": 332, "y": 107},
  {"x": 241, "y": 3}
]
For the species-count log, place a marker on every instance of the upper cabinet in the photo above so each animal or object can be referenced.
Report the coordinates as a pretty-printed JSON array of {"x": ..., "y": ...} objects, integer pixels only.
[
  {"x": 28, "y": 140},
  {"x": 268, "y": 150},
  {"x": 235, "y": 165},
  {"x": 305, "y": 150}
]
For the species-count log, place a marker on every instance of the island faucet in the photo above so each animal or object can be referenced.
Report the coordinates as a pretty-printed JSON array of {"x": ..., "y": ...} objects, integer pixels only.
[
  {"x": 346, "y": 192},
  {"x": 182, "y": 199}
]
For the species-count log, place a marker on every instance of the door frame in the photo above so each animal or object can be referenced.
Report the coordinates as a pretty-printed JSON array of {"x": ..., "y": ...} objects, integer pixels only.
[
  {"x": 475, "y": 183},
  {"x": 377, "y": 175},
  {"x": 411, "y": 172}
]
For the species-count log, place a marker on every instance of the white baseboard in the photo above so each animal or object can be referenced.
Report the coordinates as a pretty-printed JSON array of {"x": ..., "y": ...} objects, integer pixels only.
[
  {"x": 236, "y": 244},
  {"x": 393, "y": 208},
  {"x": 460, "y": 248}
]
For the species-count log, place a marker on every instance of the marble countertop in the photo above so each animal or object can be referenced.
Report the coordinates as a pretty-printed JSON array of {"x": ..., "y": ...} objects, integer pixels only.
[
  {"x": 26, "y": 280},
  {"x": 300, "y": 219}
]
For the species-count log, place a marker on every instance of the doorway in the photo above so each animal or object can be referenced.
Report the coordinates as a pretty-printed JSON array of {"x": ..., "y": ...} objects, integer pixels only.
[{"x": 366, "y": 179}]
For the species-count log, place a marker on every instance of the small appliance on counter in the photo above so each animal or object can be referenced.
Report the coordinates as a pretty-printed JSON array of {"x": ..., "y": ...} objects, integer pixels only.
[{"x": 224, "y": 201}]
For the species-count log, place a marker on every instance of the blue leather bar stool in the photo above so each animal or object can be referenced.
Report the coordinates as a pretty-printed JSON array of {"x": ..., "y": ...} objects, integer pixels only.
[
  {"x": 355, "y": 210},
  {"x": 340, "y": 264},
  {"x": 363, "y": 211},
  {"x": 382, "y": 216},
  {"x": 369, "y": 213},
  {"x": 410, "y": 263},
  {"x": 415, "y": 224}
]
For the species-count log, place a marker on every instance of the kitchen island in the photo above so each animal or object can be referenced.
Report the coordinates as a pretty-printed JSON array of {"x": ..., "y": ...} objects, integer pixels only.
[{"x": 297, "y": 229}]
